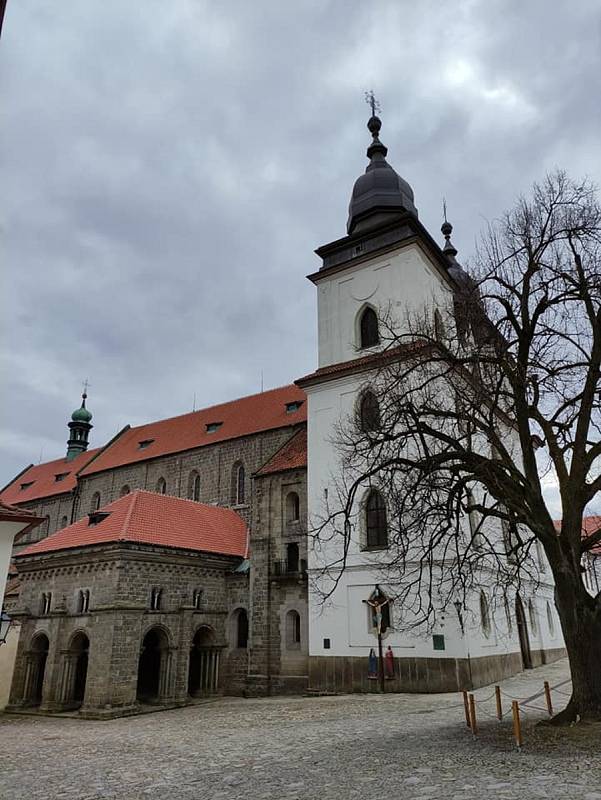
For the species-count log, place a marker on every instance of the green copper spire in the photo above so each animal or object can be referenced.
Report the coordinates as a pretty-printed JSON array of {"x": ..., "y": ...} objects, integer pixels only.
[{"x": 80, "y": 426}]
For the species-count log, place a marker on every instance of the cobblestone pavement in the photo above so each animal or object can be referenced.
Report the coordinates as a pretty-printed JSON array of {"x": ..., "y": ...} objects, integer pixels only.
[{"x": 368, "y": 746}]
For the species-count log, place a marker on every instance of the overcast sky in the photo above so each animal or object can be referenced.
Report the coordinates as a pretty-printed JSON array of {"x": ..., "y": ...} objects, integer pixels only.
[{"x": 169, "y": 167}]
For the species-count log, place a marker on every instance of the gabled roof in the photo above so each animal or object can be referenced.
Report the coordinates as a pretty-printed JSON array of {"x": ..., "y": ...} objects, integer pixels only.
[
  {"x": 292, "y": 455},
  {"x": 157, "y": 519},
  {"x": 40, "y": 480},
  {"x": 248, "y": 415}
]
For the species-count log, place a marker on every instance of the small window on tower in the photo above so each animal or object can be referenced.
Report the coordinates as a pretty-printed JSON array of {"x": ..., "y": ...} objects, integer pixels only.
[{"x": 368, "y": 325}]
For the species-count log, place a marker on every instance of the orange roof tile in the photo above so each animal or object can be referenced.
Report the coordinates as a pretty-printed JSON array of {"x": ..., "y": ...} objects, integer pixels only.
[
  {"x": 293, "y": 455},
  {"x": 158, "y": 519},
  {"x": 39, "y": 480},
  {"x": 253, "y": 414}
]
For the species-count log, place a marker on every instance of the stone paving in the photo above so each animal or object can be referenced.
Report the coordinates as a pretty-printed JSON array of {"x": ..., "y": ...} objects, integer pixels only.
[{"x": 331, "y": 748}]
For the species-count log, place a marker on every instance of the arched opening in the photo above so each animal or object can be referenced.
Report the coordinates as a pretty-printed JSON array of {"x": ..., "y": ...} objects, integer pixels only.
[
  {"x": 64, "y": 522},
  {"x": 376, "y": 526},
  {"x": 369, "y": 412},
  {"x": 293, "y": 630},
  {"x": 368, "y": 328},
  {"x": 522, "y": 624},
  {"x": 79, "y": 649},
  {"x": 153, "y": 667},
  {"x": 124, "y": 490},
  {"x": 203, "y": 670},
  {"x": 35, "y": 669},
  {"x": 162, "y": 486},
  {"x": 240, "y": 629},
  {"x": 292, "y": 507}
]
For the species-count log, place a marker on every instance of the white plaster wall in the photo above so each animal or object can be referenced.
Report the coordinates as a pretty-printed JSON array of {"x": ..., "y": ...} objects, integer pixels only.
[
  {"x": 8, "y": 531},
  {"x": 405, "y": 279}
]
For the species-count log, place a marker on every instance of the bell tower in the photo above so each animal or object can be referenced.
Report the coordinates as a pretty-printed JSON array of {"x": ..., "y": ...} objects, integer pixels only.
[{"x": 79, "y": 427}]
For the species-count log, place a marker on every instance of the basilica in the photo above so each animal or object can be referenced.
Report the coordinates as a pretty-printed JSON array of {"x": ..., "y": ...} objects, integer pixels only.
[{"x": 176, "y": 561}]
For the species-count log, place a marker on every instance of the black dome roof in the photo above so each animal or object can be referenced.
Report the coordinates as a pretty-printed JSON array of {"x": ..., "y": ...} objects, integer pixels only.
[{"x": 380, "y": 194}]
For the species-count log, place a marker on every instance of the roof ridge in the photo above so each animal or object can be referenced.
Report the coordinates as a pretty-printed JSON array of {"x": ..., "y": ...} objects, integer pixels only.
[
  {"x": 215, "y": 405},
  {"x": 130, "y": 511}
]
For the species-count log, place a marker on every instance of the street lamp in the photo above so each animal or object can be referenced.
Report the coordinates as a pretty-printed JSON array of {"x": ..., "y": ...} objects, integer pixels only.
[{"x": 5, "y": 623}]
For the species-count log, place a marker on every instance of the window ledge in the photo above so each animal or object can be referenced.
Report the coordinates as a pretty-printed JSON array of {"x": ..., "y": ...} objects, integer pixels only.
[{"x": 374, "y": 548}]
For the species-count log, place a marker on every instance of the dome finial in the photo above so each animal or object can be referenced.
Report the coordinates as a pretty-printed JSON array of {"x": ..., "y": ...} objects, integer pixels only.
[
  {"x": 446, "y": 229},
  {"x": 374, "y": 125}
]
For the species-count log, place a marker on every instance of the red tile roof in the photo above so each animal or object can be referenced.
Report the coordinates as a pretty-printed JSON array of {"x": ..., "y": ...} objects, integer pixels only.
[
  {"x": 590, "y": 525},
  {"x": 253, "y": 414},
  {"x": 368, "y": 362},
  {"x": 158, "y": 519},
  {"x": 10, "y": 513},
  {"x": 42, "y": 479},
  {"x": 293, "y": 455}
]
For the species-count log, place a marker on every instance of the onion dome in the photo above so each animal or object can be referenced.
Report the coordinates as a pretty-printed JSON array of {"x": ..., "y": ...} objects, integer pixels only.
[
  {"x": 82, "y": 414},
  {"x": 380, "y": 195}
]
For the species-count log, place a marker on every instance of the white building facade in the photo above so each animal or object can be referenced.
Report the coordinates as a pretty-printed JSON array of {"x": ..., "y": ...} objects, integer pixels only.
[{"x": 389, "y": 266}]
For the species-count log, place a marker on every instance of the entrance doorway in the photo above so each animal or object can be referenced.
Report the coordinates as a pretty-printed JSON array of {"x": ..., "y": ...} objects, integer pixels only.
[
  {"x": 153, "y": 667},
  {"x": 203, "y": 671},
  {"x": 522, "y": 624},
  {"x": 80, "y": 647},
  {"x": 36, "y": 668}
]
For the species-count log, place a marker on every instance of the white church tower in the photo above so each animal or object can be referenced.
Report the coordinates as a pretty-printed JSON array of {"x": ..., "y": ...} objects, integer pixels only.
[{"x": 386, "y": 265}]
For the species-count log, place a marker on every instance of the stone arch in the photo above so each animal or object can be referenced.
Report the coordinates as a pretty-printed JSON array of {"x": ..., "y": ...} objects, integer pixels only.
[
  {"x": 154, "y": 665},
  {"x": 35, "y": 668},
  {"x": 203, "y": 667},
  {"x": 74, "y": 675}
]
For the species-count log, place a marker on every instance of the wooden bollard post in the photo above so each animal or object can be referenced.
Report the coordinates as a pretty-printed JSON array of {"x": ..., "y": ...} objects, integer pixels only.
[
  {"x": 466, "y": 706},
  {"x": 498, "y": 699},
  {"x": 517, "y": 725},
  {"x": 473, "y": 723},
  {"x": 548, "y": 698}
]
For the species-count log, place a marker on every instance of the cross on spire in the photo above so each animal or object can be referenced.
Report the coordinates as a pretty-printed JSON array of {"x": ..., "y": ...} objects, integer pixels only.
[
  {"x": 370, "y": 99},
  {"x": 86, "y": 385}
]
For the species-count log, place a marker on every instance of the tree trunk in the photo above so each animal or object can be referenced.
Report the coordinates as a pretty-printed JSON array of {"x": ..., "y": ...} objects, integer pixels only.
[{"x": 581, "y": 624}]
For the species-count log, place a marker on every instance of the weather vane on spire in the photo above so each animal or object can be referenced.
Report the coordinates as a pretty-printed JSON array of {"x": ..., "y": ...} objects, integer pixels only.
[{"x": 370, "y": 99}]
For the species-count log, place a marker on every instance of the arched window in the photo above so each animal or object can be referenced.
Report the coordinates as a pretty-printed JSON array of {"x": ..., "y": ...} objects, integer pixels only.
[
  {"x": 369, "y": 412},
  {"x": 64, "y": 522},
  {"x": 376, "y": 526},
  {"x": 238, "y": 484},
  {"x": 540, "y": 555},
  {"x": 95, "y": 504},
  {"x": 550, "y": 619},
  {"x": 368, "y": 328},
  {"x": 156, "y": 598},
  {"x": 162, "y": 486},
  {"x": 484, "y": 615},
  {"x": 292, "y": 507},
  {"x": 83, "y": 601},
  {"x": 194, "y": 486},
  {"x": 124, "y": 490},
  {"x": 293, "y": 630},
  {"x": 241, "y": 629}
]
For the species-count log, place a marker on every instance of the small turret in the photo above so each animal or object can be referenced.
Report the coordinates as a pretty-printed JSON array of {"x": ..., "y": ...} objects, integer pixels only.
[{"x": 80, "y": 427}]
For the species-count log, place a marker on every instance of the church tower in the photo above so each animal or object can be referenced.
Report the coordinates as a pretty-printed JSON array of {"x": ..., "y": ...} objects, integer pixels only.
[
  {"x": 79, "y": 427},
  {"x": 387, "y": 266}
]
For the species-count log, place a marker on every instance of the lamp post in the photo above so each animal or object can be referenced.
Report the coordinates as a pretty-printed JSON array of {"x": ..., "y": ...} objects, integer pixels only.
[{"x": 5, "y": 623}]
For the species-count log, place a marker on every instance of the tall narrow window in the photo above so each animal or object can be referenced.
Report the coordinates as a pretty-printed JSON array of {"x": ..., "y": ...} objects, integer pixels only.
[
  {"x": 196, "y": 488},
  {"x": 162, "y": 486},
  {"x": 376, "y": 525},
  {"x": 293, "y": 630},
  {"x": 241, "y": 622},
  {"x": 368, "y": 328},
  {"x": 156, "y": 598},
  {"x": 292, "y": 507},
  {"x": 474, "y": 520},
  {"x": 484, "y": 615},
  {"x": 550, "y": 620},
  {"x": 369, "y": 412},
  {"x": 238, "y": 484},
  {"x": 95, "y": 504},
  {"x": 292, "y": 554},
  {"x": 64, "y": 522},
  {"x": 46, "y": 604},
  {"x": 197, "y": 598}
]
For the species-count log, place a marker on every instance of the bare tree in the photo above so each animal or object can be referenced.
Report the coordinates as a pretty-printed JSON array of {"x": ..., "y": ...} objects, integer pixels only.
[{"x": 469, "y": 409}]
